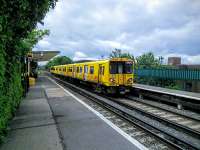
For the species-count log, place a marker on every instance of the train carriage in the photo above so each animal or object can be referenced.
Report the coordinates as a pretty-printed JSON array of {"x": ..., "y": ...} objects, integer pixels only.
[{"x": 112, "y": 75}]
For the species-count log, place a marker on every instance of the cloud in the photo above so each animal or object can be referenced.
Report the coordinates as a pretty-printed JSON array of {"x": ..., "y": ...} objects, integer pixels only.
[
  {"x": 82, "y": 56},
  {"x": 95, "y": 28},
  {"x": 193, "y": 59},
  {"x": 44, "y": 44}
]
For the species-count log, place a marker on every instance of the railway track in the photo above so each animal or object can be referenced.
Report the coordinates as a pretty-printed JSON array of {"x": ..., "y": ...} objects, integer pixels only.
[
  {"x": 191, "y": 123},
  {"x": 186, "y": 123},
  {"x": 145, "y": 129},
  {"x": 173, "y": 109}
]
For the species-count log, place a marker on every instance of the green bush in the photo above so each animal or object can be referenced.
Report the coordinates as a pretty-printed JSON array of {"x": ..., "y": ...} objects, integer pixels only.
[
  {"x": 18, "y": 20},
  {"x": 10, "y": 98}
]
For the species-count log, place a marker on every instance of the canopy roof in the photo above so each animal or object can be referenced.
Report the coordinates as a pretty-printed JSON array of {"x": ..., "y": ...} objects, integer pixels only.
[{"x": 43, "y": 55}]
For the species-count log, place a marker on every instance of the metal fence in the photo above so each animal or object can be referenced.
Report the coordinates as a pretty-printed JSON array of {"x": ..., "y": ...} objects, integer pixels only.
[{"x": 175, "y": 74}]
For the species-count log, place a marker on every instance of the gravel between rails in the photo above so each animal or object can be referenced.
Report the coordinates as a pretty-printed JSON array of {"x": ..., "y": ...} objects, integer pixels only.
[{"x": 184, "y": 112}]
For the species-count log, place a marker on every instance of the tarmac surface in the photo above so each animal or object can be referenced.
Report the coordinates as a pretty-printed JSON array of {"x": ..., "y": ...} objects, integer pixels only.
[{"x": 51, "y": 119}]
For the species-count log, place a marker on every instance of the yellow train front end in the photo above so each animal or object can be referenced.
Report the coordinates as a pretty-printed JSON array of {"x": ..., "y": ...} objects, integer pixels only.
[{"x": 120, "y": 75}]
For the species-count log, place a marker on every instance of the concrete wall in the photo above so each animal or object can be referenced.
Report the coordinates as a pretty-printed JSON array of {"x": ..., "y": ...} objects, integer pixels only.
[
  {"x": 196, "y": 86},
  {"x": 191, "y": 86}
]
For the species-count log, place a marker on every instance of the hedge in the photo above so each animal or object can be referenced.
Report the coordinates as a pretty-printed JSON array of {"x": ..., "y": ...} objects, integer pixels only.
[{"x": 18, "y": 20}]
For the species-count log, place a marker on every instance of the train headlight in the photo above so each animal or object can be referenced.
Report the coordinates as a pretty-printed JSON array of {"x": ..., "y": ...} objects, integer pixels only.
[
  {"x": 130, "y": 80},
  {"x": 112, "y": 80}
]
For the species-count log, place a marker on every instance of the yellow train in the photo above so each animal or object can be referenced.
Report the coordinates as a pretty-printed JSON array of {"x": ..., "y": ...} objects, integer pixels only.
[{"x": 111, "y": 76}]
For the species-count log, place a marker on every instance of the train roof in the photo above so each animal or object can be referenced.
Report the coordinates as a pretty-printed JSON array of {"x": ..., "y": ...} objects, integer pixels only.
[{"x": 99, "y": 61}]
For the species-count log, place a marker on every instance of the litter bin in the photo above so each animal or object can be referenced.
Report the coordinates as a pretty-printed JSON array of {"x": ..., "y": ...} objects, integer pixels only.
[{"x": 31, "y": 81}]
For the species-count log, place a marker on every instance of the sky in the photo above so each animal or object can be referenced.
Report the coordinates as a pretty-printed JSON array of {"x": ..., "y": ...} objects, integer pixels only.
[{"x": 91, "y": 29}]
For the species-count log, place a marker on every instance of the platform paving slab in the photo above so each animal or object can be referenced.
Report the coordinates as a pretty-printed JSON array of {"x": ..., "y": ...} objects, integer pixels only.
[
  {"x": 33, "y": 127},
  {"x": 80, "y": 128},
  {"x": 179, "y": 93},
  {"x": 51, "y": 119},
  {"x": 35, "y": 138}
]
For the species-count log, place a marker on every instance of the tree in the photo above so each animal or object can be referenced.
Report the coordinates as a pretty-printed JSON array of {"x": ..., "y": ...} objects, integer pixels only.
[
  {"x": 31, "y": 40},
  {"x": 61, "y": 60},
  {"x": 118, "y": 53},
  {"x": 18, "y": 19},
  {"x": 147, "y": 60}
]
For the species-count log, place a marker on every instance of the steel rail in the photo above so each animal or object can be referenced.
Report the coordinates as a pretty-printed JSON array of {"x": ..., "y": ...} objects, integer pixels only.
[
  {"x": 140, "y": 123},
  {"x": 175, "y": 125},
  {"x": 136, "y": 99}
]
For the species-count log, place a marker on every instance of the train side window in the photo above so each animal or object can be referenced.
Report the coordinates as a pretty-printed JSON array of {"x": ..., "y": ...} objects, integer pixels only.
[
  {"x": 85, "y": 69},
  {"x": 80, "y": 69},
  {"x": 120, "y": 68},
  {"x": 91, "y": 69}
]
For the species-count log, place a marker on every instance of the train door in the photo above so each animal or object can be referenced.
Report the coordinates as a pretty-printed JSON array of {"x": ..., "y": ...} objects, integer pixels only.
[
  {"x": 120, "y": 75},
  {"x": 74, "y": 71},
  {"x": 113, "y": 69},
  {"x": 101, "y": 73},
  {"x": 85, "y": 72}
]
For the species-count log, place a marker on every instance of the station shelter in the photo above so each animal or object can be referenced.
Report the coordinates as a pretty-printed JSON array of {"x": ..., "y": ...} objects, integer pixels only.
[{"x": 30, "y": 68}]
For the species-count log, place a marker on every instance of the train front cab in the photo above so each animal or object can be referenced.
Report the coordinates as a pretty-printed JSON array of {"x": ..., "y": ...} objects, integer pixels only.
[{"x": 120, "y": 75}]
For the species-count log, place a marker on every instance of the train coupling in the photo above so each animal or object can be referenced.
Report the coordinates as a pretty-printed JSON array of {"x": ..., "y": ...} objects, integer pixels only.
[{"x": 123, "y": 90}]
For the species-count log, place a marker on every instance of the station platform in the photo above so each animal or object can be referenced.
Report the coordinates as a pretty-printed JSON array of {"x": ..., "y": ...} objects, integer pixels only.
[
  {"x": 54, "y": 118},
  {"x": 171, "y": 92}
]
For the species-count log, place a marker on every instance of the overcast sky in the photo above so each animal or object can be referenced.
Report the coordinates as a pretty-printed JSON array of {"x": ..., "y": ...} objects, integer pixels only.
[{"x": 89, "y": 29}]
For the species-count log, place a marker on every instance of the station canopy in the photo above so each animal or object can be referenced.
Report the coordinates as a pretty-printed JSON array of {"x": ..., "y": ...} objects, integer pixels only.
[{"x": 43, "y": 55}]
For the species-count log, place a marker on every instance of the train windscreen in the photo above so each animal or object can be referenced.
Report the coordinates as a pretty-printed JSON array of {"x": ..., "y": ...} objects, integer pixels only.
[
  {"x": 128, "y": 67},
  {"x": 121, "y": 67}
]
